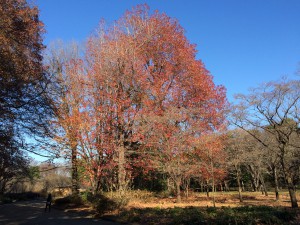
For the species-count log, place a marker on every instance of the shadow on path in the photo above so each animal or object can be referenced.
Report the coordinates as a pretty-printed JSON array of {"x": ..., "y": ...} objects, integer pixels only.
[{"x": 32, "y": 213}]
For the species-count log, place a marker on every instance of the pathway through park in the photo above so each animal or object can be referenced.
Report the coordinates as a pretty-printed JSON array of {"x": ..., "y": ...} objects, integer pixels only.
[{"x": 32, "y": 213}]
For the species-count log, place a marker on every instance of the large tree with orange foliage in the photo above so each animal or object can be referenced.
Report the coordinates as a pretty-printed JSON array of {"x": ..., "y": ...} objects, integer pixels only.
[
  {"x": 151, "y": 86},
  {"x": 146, "y": 95}
]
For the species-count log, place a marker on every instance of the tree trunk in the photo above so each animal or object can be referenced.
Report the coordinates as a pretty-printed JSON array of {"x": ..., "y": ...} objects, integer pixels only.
[
  {"x": 201, "y": 187},
  {"x": 121, "y": 170},
  {"x": 289, "y": 183},
  {"x": 254, "y": 178},
  {"x": 177, "y": 182},
  {"x": 75, "y": 178},
  {"x": 213, "y": 182},
  {"x": 292, "y": 193},
  {"x": 226, "y": 187},
  {"x": 170, "y": 187},
  {"x": 275, "y": 177},
  {"x": 3, "y": 186},
  {"x": 186, "y": 187},
  {"x": 187, "y": 191},
  {"x": 98, "y": 186},
  {"x": 207, "y": 189},
  {"x": 213, "y": 193},
  {"x": 264, "y": 188},
  {"x": 238, "y": 179}
]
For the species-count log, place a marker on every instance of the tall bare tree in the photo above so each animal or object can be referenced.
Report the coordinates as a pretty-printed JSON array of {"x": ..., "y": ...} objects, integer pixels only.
[{"x": 274, "y": 108}]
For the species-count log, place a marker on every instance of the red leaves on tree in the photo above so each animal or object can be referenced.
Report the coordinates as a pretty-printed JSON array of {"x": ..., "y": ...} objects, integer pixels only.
[{"x": 145, "y": 96}]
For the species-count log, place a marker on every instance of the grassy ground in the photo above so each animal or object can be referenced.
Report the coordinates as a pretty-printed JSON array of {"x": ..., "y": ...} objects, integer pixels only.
[
  {"x": 228, "y": 199},
  {"x": 141, "y": 207},
  {"x": 146, "y": 208},
  {"x": 210, "y": 215}
]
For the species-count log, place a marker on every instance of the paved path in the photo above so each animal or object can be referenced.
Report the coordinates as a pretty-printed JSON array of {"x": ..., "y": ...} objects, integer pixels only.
[{"x": 32, "y": 213}]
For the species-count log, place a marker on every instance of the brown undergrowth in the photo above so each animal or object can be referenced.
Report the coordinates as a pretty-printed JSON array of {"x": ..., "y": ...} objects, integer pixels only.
[
  {"x": 256, "y": 208},
  {"x": 147, "y": 208},
  {"x": 223, "y": 199}
]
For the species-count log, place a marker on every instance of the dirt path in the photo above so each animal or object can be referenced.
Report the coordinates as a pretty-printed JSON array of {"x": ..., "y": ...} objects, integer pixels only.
[{"x": 32, "y": 213}]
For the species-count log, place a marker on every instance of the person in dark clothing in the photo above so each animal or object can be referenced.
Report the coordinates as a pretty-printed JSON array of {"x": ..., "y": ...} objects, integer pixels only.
[{"x": 48, "y": 202}]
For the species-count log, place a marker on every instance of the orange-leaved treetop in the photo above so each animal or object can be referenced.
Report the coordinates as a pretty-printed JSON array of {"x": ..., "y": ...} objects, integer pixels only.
[{"x": 148, "y": 99}]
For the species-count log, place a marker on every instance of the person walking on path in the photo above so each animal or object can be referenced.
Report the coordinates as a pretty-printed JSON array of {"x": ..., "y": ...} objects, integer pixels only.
[{"x": 48, "y": 202}]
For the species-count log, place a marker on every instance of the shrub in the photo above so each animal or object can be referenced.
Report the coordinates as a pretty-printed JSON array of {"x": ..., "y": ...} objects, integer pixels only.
[
  {"x": 62, "y": 201},
  {"x": 5, "y": 199},
  {"x": 104, "y": 204},
  {"x": 71, "y": 200},
  {"x": 21, "y": 196},
  {"x": 87, "y": 196}
]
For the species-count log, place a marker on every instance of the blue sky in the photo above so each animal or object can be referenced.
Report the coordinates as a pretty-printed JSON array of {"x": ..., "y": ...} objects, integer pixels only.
[{"x": 242, "y": 42}]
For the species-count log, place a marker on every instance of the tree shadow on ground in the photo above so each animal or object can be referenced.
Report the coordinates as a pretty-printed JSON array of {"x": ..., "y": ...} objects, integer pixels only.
[
  {"x": 210, "y": 215},
  {"x": 29, "y": 213}
]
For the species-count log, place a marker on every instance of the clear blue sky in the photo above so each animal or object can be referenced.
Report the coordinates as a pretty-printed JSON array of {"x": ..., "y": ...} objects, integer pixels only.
[{"x": 242, "y": 42}]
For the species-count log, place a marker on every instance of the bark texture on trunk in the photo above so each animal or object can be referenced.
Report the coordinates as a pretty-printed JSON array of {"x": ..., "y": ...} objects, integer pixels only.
[
  {"x": 177, "y": 182},
  {"x": 275, "y": 177},
  {"x": 292, "y": 193},
  {"x": 264, "y": 188},
  {"x": 238, "y": 179},
  {"x": 289, "y": 182},
  {"x": 121, "y": 170},
  {"x": 75, "y": 178}
]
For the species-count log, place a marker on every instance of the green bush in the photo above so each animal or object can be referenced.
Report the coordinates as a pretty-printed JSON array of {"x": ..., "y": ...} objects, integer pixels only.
[
  {"x": 103, "y": 203},
  {"x": 71, "y": 200},
  {"x": 62, "y": 201},
  {"x": 86, "y": 196},
  {"x": 5, "y": 200}
]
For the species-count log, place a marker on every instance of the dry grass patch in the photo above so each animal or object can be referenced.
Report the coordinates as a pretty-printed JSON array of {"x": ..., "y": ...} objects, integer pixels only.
[
  {"x": 197, "y": 209},
  {"x": 223, "y": 199}
]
